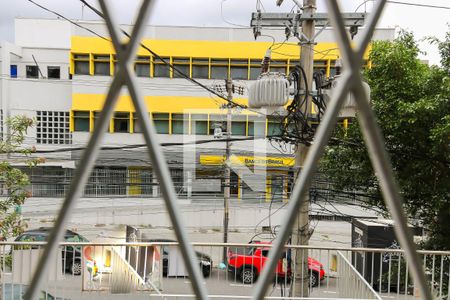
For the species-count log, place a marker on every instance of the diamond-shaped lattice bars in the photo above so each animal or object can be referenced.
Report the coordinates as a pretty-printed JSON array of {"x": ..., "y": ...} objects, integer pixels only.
[
  {"x": 125, "y": 51},
  {"x": 352, "y": 82}
]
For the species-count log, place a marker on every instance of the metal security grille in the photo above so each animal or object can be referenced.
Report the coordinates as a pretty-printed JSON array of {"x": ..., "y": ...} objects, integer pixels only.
[
  {"x": 53, "y": 127},
  {"x": 352, "y": 83}
]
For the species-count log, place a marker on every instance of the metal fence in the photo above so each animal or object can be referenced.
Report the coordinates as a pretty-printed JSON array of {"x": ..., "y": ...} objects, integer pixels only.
[
  {"x": 108, "y": 270},
  {"x": 351, "y": 83}
]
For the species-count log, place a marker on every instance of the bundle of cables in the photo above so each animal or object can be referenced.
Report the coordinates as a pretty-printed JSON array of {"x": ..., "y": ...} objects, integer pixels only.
[{"x": 297, "y": 125}]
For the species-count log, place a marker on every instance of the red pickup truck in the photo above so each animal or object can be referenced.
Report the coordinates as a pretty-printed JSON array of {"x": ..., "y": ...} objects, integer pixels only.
[{"x": 248, "y": 266}]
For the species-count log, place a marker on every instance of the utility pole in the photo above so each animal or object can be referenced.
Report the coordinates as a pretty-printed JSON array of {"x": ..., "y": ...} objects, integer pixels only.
[
  {"x": 300, "y": 230},
  {"x": 226, "y": 192},
  {"x": 308, "y": 19}
]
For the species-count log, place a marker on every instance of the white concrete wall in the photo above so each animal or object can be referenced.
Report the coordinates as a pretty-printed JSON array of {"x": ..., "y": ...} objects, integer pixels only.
[
  {"x": 42, "y": 33},
  {"x": 40, "y": 94}
]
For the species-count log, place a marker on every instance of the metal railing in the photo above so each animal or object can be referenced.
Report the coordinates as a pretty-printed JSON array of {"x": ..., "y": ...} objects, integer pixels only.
[
  {"x": 351, "y": 284},
  {"x": 104, "y": 270}
]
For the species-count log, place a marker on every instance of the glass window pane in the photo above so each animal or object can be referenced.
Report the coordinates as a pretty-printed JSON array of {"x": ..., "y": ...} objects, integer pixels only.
[
  {"x": 96, "y": 117},
  {"x": 255, "y": 72},
  {"x": 82, "y": 67},
  {"x": 239, "y": 62},
  {"x": 274, "y": 129},
  {"x": 200, "y": 127},
  {"x": 162, "y": 126},
  {"x": 32, "y": 71},
  {"x": 143, "y": 58},
  {"x": 203, "y": 61},
  {"x": 53, "y": 72},
  {"x": 160, "y": 69},
  {"x": 183, "y": 60},
  {"x": 199, "y": 124},
  {"x": 183, "y": 69},
  {"x": 200, "y": 71},
  {"x": 238, "y": 128},
  {"x": 136, "y": 125},
  {"x": 161, "y": 121},
  {"x": 239, "y": 72},
  {"x": 81, "y": 124},
  {"x": 81, "y": 56},
  {"x": 179, "y": 124},
  {"x": 101, "y": 57},
  {"x": 220, "y": 61},
  {"x": 101, "y": 68},
  {"x": 121, "y": 122},
  {"x": 219, "y": 72},
  {"x": 81, "y": 120},
  {"x": 142, "y": 70}
]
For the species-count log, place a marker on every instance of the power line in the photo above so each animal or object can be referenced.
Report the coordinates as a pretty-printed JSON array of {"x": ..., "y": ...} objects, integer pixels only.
[
  {"x": 96, "y": 11},
  {"x": 133, "y": 146},
  {"x": 418, "y": 4},
  {"x": 100, "y": 14}
]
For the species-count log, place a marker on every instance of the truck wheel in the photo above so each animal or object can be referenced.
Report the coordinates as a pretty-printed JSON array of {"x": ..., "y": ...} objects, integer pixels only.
[{"x": 248, "y": 274}]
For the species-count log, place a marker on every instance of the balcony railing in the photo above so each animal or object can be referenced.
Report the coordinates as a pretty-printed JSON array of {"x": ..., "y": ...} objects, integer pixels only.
[{"x": 105, "y": 270}]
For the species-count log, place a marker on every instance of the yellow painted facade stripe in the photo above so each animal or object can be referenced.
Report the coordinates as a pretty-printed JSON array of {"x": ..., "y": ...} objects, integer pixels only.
[
  {"x": 173, "y": 104},
  {"x": 198, "y": 48}
]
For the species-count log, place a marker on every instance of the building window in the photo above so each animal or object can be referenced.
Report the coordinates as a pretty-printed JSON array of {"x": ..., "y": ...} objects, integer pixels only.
[
  {"x": 137, "y": 128},
  {"x": 239, "y": 125},
  {"x": 179, "y": 124},
  {"x": 199, "y": 124},
  {"x": 142, "y": 66},
  {"x": 81, "y": 64},
  {"x": 200, "y": 68},
  {"x": 121, "y": 122},
  {"x": 13, "y": 71},
  {"x": 161, "y": 121},
  {"x": 101, "y": 65},
  {"x": 53, "y": 72},
  {"x": 239, "y": 69},
  {"x": 160, "y": 69},
  {"x": 279, "y": 66},
  {"x": 320, "y": 65},
  {"x": 32, "y": 71},
  {"x": 53, "y": 127},
  {"x": 217, "y": 121},
  {"x": 255, "y": 68},
  {"x": 256, "y": 126},
  {"x": 97, "y": 117},
  {"x": 182, "y": 65},
  {"x": 274, "y": 126},
  {"x": 81, "y": 121},
  {"x": 219, "y": 68}
]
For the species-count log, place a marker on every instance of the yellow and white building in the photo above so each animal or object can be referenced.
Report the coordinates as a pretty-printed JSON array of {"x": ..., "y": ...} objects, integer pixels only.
[{"x": 59, "y": 74}]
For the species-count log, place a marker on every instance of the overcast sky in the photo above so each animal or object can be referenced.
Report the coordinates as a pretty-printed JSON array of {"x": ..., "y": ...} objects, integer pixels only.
[{"x": 422, "y": 21}]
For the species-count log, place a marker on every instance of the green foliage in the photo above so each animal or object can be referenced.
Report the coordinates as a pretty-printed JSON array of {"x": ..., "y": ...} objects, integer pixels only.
[
  {"x": 412, "y": 104},
  {"x": 13, "y": 180}
]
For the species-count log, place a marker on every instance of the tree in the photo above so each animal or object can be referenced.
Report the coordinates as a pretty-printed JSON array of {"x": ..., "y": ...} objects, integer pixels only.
[
  {"x": 412, "y": 104},
  {"x": 13, "y": 181}
]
